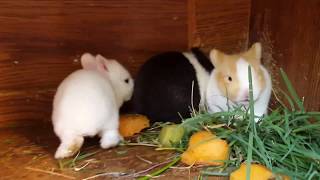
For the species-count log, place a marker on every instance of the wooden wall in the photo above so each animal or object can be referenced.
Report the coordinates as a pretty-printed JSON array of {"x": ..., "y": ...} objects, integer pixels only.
[
  {"x": 40, "y": 40},
  {"x": 290, "y": 33},
  {"x": 222, "y": 24}
]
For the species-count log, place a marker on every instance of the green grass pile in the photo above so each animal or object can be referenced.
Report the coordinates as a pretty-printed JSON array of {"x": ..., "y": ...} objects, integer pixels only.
[{"x": 287, "y": 141}]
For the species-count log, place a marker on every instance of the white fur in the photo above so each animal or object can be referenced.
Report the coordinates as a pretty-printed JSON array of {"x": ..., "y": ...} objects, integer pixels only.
[
  {"x": 242, "y": 74},
  {"x": 201, "y": 74},
  {"x": 217, "y": 102},
  {"x": 87, "y": 103},
  {"x": 261, "y": 104}
]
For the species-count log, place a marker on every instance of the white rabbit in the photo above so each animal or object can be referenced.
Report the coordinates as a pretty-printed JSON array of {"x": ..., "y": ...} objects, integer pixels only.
[
  {"x": 87, "y": 103},
  {"x": 229, "y": 84}
]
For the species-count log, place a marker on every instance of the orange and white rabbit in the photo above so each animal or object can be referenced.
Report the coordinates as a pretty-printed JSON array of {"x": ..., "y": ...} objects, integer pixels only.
[{"x": 228, "y": 84}]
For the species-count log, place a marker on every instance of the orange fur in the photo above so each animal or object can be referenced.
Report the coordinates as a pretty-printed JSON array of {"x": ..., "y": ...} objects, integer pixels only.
[
  {"x": 225, "y": 66},
  {"x": 253, "y": 57}
]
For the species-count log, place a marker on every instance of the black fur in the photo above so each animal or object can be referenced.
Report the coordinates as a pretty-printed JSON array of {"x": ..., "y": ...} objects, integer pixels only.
[
  {"x": 163, "y": 87},
  {"x": 203, "y": 59}
]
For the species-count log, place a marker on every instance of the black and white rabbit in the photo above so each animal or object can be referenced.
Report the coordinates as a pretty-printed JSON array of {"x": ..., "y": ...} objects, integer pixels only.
[
  {"x": 169, "y": 84},
  {"x": 166, "y": 84}
]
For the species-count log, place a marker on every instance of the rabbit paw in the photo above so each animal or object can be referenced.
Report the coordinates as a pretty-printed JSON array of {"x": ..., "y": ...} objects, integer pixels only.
[
  {"x": 110, "y": 139},
  {"x": 69, "y": 147}
]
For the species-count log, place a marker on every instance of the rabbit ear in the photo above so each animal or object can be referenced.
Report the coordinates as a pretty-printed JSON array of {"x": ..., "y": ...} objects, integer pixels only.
[
  {"x": 88, "y": 61},
  {"x": 102, "y": 63},
  {"x": 215, "y": 57},
  {"x": 254, "y": 53}
]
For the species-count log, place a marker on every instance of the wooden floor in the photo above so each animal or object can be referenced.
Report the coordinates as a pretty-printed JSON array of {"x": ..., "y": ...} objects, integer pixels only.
[{"x": 27, "y": 153}]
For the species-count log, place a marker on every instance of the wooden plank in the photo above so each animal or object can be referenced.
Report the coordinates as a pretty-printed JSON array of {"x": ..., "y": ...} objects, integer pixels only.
[
  {"x": 39, "y": 41},
  {"x": 222, "y": 24},
  {"x": 25, "y": 106},
  {"x": 42, "y": 38},
  {"x": 290, "y": 33}
]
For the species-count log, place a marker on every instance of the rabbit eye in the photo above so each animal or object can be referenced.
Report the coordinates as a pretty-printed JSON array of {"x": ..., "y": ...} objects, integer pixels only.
[
  {"x": 126, "y": 80},
  {"x": 228, "y": 79}
]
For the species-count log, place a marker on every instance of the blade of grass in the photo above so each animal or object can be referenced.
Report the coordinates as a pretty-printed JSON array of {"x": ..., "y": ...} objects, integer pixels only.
[
  {"x": 163, "y": 169},
  {"x": 286, "y": 122},
  {"x": 288, "y": 99},
  {"x": 310, "y": 170},
  {"x": 307, "y": 127},
  {"x": 251, "y": 117},
  {"x": 210, "y": 173},
  {"x": 314, "y": 173},
  {"x": 71, "y": 162},
  {"x": 291, "y": 90},
  {"x": 249, "y": 157}
]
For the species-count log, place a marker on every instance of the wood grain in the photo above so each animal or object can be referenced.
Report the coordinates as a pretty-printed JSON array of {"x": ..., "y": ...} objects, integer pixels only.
[
  {"x": 26, "y": 106},
  {"x": 222, "y": 24},
  {"x": 290, "y": 32},
  {"x": 40, "y": 40}
]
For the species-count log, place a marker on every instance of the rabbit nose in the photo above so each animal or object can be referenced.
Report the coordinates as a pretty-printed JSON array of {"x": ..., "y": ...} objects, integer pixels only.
[{"x": 246, "y": 96}]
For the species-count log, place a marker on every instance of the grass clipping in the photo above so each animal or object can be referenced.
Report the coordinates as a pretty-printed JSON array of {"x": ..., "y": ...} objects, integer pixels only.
[{"x": 286, "y": 141}]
